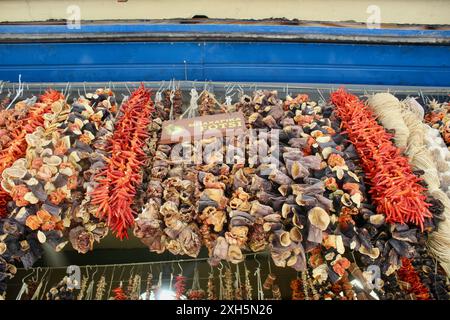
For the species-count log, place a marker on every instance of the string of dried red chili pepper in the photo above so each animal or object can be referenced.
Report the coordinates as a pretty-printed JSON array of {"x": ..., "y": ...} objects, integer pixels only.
[
  {"x": 394, "y": 188},
  {"x": 180, "y": 286},
  {"x": 17, "y": 147},
  {"x": 408, "y": 274},
  {"x": 119, "y": 294},
  {"x": 117, "y": 182}
]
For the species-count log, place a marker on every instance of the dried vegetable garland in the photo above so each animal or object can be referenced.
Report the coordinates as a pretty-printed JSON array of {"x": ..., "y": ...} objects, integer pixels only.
[
  {"x": 394, "y": 188},
  {"x": 408, "y": 115},
  {"x": 116, "y": 187},
  {"x": 14, "y": 144},
  {"x": 180, "y": 286},
  {"x": 18, "y": 242},
  {"x": 408, "y": 274},
  {"x": 97, "y": 112}
]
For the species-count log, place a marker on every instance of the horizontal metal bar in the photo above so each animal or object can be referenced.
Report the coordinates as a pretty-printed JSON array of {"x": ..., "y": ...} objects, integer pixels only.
[
  {"x": 218, "y": 32},
  {"x": 262, "y": 253}
]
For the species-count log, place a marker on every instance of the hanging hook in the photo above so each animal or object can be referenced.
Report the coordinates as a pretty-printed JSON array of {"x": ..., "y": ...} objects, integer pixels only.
[
  {"x": 112, "y": 279},
  {"x": 18, "y": 93},
  {"x": 27, "y": 276},
  {"x": 104, "y": 271},
  {"x": 38, "y": 269},
  {"x": 257, "y": 261},
  {"x": 161, "y": 86},
  {"x": 95, "y": 272},
  {"x": 268, "y": 262},
  {"x": 45, "y": 273},
  {"x": 181, "y": 269},
  {"x": 131, "y": 271}
]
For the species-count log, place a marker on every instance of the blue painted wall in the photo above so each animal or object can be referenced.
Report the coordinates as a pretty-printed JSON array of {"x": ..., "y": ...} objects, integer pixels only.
[{"x": 389, "y": 64}]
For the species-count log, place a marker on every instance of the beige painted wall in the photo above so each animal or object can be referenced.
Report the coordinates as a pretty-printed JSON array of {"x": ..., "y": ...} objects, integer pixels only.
[{"x": 392, "y": 11}]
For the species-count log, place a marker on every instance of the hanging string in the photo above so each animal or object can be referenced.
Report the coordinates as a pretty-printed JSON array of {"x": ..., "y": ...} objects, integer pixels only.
[
  {"x": 171, "y": 95},
  {"x": 239, "y": 288},
  {"x": 23, "y": 289},
  {"x": 37, "y": 293},
  {"x": 193, "y": 105},
  {"x": 221, "y": 289},
  {"x": 90, "y": 289},
  {"x": 112, "y": 278},
  {"x": 259, "y": 283},
  {"x": 171, "y": 279},
  {"x": 46, "y": 284}
]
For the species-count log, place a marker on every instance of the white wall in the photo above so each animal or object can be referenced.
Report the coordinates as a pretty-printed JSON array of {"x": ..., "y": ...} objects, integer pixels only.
[{"x": 392, "y": 11}]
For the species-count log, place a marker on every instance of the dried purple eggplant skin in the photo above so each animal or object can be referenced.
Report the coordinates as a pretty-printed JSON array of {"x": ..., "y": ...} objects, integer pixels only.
[
  {"x": 60, "y": 181},
  {"x": 205, "y": 203},
  {"x": 333, "y": 276},
  {"x": 28, "y": 260},
  {"x": 364, "y": 238},
  {"x": 260, "y": 210},
  {"x": 12, "y": 227},
  {"x": 402, "y": 248},
  {"x": 83, "y": 147},
  {"x": 314, "y": 234},
  {"x": 409, "y": 235},
  {"x": 394, "y": 258},
  {"x": 172, "y": 233},
  {"x": 52, "y": 209},
  {"x": 399, "y": 227},
  {"x": 241, "y": 220},
  {"x": 259, "y": 184},
  {"x": 39, "y": 192}
]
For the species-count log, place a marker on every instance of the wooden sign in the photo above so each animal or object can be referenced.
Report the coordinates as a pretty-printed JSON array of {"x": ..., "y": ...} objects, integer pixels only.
[{"x": 220, "y": 125}]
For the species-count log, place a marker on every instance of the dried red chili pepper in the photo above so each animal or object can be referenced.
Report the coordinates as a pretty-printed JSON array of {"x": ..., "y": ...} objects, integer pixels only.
[
  {"x": 180, "y": 286},
  {"x": 119, "y": 294},
  {"x": 408, "y": 274},
  {"x": 394, "y": 188},
  {"x": 116, "y": 188}
]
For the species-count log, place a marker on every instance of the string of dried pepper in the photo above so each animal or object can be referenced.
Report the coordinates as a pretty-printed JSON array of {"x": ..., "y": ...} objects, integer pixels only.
[
  {"x": 119, "y": 294},
  {"x": 408, "y": 274},
  {"x": 17, "y": 147},
  {"x": 117, "y": 182},
  {"x": 180, "y": 286},
  {"x": 394, "y": 188}
]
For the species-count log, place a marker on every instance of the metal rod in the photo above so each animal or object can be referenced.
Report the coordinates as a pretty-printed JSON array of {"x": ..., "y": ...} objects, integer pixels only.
[{"x": 141, "y": 263}]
